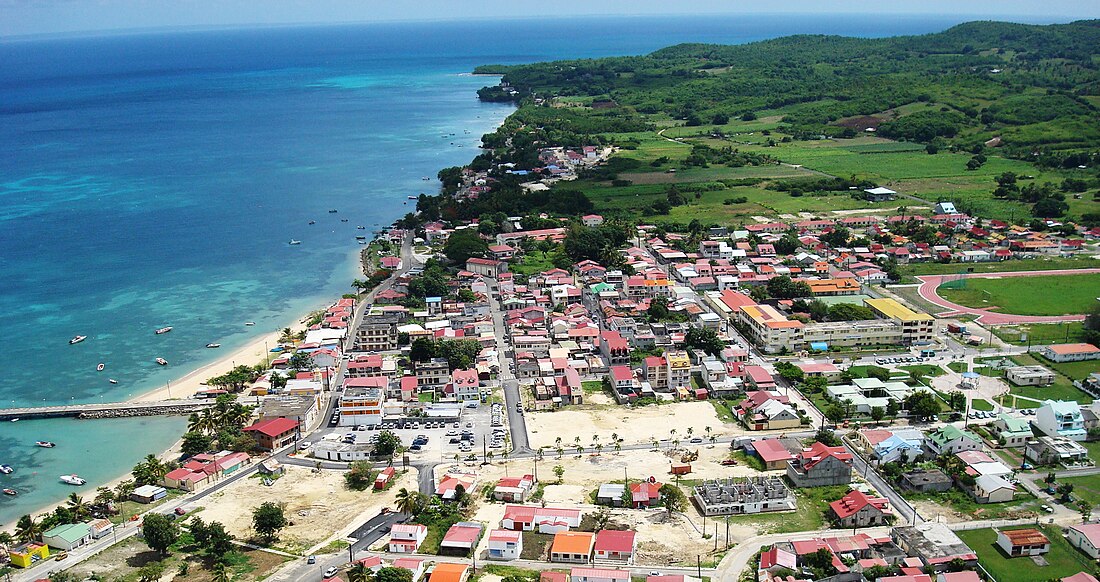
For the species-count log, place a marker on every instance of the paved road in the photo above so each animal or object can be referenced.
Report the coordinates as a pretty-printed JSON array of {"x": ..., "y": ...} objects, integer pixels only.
[
  {"x": 513, "y": 400},
  {"x": 929, "y": 283},
  {"x": 899, "y": 503}
]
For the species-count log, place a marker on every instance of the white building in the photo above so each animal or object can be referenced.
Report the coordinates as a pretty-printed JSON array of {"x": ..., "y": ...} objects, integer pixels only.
[
  {"x": 1061, "y": 418},
  {"x": 505, "y": 544}
]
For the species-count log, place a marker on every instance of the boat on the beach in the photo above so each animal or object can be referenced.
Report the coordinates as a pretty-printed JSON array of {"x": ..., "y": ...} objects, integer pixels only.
[
  {"x": 213, "y": 345},
  {"x": 45, "y": 444},
  {"x": 11, "y": 492},
  {"x": 162, "y": 361},
  {"x": 6, "y": 469},
  {"x": 295, "y": 242},
  {"x": 77, "y": 339},
  {"x": 162, "y": 330},
  {"x": 277, "y": 349},
  {"x": 250, "y": 323},
  {"x": 112, "y": 381},
  {"x": 99, "y": 368},
  {"x": 362, "y": 241},
  {"x": 72, "y": 480}
]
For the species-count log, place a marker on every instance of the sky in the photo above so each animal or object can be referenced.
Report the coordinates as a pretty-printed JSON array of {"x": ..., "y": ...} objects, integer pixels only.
[{"x": 28, "y": 17}]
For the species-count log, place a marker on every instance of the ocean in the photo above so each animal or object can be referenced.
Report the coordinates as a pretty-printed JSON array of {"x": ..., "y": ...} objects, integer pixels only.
[{"x": 155, "y": 179}]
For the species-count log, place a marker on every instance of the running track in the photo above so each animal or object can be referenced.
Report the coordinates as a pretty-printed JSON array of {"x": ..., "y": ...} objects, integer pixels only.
[{"x": 929, "y": 283}]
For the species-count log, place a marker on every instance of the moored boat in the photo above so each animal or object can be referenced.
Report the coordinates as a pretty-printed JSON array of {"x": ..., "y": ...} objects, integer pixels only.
[
  {"x": 72, "y": 480},
  {"x": 45, "y": 444},
  {"x": 213, "y": 345},
  {"x": 164, "y": 329},
  {"x": 313, "y": 222},
  {"x": 250, "y": 323},
  {"x": 100, "y": 367},
  {"x": 411, "y": 197},
  {"x": 11, "y": 492},
  {"x": 162, "y": 361},
  {"x": 6, "y": 469},
  {"x": 333, "y": 211},
  {"x": 112, "y": 381},
  {"x": 77, "y": 339},
  {"x": 294, "y": 242}
]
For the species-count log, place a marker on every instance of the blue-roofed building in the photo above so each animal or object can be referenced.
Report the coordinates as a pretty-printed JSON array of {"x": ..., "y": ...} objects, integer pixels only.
[
  {"x": 904, "y": 446},
  {"x": 1061, "y": 418}
]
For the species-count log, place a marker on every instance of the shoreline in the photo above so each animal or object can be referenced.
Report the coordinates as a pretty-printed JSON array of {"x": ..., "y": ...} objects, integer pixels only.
[{"x": 192, "y": 382}]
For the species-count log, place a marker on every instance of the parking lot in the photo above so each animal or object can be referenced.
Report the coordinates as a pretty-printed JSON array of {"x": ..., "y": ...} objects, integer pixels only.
[{"x": 479, "y": 425}]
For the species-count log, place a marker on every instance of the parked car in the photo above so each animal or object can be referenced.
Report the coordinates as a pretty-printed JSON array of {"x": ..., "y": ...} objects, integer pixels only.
[
  {"x": 330, "y": 571},
  {"x": 312, "y": 559}
]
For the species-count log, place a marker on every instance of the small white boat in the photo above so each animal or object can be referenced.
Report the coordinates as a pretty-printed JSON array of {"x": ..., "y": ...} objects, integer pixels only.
[
  {"x": 333, "y": 211},
  {"x": 112, "y": 381},
  {"x": 411, "y": 197},
  {"x": 162, "y": 361},
  {"x": 72, "y": 480},
  {"x": 425, "y": 178},
  {"x": 11, "y": 492},
  {"x": 213, "y": 345},
  {"x": 45, "y": 444},
  {"x": 100, "y": 367},
  {"x": 162, "y": 330},
  {"x": 250, "y": 323},
  {"x": 295, "y": 242},
  {"x": 313, "y": 222},
  {"x": 6, "y": 469},
  {"x": 361, "y": 227},
  {"x": 77, "y": 339}
]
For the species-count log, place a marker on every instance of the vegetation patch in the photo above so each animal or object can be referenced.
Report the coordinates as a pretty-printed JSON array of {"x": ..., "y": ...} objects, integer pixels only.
[
  {"x": 1063, "y": 560},
  {"x": 1062, "y": 294}
]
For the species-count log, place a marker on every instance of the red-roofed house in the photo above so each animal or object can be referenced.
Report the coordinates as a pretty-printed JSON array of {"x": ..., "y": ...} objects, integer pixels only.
[
  {"x": 486, "y": 267},
  {"x": 505, "y": 544},
  {"x": 541, "y": 519},
  {"x": 405, "y": 538},
  {"x": 820, "y": 465},
  {"x": 414, "y": 565},
  {"x": 857, "y": 509},
  {"x": 513, "y": 489},
  {"x": 1085, "y": 538},
  {"x": 273, "y": 433},
  {"x": 772, "y": 452},
  {"x": 461, "y": 538},
  {"x": 644, "y": 494},
  {"x": 449, "y": 483},
  {"x": 614, "y": 546},
  {"x": 598, "y": 575},
  {"x": 384, "y": 477}
]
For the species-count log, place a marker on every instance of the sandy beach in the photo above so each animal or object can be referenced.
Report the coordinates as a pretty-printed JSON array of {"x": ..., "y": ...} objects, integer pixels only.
[{"x": 192, "y": 382}]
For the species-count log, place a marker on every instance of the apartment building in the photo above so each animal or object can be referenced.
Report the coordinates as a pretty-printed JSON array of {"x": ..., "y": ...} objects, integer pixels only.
[
  {"x": 377, "y": 333},
  {"x": 361, "y": 405},
  {"x": 915, "y": 327}
]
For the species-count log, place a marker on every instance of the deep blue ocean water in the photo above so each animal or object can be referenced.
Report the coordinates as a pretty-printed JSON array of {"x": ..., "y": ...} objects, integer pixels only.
[{"x": 155, "y": 179}]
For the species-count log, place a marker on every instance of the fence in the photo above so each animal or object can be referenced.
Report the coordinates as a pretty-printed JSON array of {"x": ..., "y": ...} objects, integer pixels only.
[{"x": 968, "y": 525}]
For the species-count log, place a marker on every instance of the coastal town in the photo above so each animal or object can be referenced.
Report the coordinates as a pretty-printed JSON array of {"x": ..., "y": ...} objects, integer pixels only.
[
  {"x": 721, "y": 403},
  {"x": 880, "y": 384}
]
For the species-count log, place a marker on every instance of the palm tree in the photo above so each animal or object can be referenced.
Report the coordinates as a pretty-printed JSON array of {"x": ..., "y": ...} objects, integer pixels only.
[
  {"x": 27, "y": 529},
  {"x": 557, "y": 441},
  {"x": 540, "y": 453},
  {"x": 103, "y": 496},
  {"x": 221, "y": 574},
  {"x": 614, "y": 437},
  {"x": 561, "y": 451},
  {"x": 656, "y": 443},
  {"x": 205, "y": 422},
  {"x": 359, "y": 573},
  {"x": 78, "y": 506},
  {"x": 287, "y": 335},
  {"x": 577, "y": 440},
  {"x": 408, "y": 502},
  {"x": 618, "y": 447},
  {"x": 691, "y": 430},
  {"x": 580, "y": 450},
  {"x": 599, "y": 448},
  {"x": 359, "y": 285},
  {"x": 675, "y": 443}
]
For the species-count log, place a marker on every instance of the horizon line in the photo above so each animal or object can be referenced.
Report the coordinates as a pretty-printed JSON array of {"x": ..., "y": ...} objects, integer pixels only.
[{"x": 185, "y": 28}]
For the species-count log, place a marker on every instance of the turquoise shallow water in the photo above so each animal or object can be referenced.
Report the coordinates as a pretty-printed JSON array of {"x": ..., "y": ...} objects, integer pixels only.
[{"x": 151, "y": 180}]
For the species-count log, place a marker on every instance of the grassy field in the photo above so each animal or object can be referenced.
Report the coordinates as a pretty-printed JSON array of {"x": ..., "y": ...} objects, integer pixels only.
[
  {"x": 998, "y": 267},
  {"x": 1063, "y": 560},
  {"x": 962, "y": 503},
  {"x": 813, "y": 503},
  {"x": 929, "y": 370},
  {"x": 1062, "y": 294},
  {"x": 532, "y": 263},
  {"x": 1086, "y": 488},
  {"x": 981, "y": 404},
  {"x": 1040, "y": 334}
]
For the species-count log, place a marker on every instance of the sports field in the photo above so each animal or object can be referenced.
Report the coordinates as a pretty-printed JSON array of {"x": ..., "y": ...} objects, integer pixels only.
[{"x": 1041, "y": 295}]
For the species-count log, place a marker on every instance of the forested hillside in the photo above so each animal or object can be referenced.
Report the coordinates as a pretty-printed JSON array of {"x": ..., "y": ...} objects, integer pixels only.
[{"x": 1037, "y": 88}]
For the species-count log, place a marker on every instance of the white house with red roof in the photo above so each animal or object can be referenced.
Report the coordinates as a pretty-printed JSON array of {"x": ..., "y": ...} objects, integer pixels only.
[
  {"x": 763, "y": 410},
  {"x": 614, "y": 546},
  {"x": 772, "y": 452},
  {"x": 541, "y": 519},
  {"x": 273, "y": 433},
  {"x": 414, "y": 565},
  {"x": 505, "y": 544},
  {"x": 486, "y": 267},
  {"x": 446, "y": 489},
  {"x": 513, "y": 489},
  {"x": 1085, "y": 538},
  {"x": 461, "y": 538},
  {"x": 464, "y": 385},
  {"x": 857, "y": 509},
  {"x": 405, "y": 538},
  {"x": 372, "y": 563}
]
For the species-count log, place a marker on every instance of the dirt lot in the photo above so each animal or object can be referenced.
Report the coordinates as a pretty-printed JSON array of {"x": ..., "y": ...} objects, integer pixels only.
[
  {"x": 317, "y": 505},
  {"x": 661, "y": 540},
  {"x": 633, "y": 425}
]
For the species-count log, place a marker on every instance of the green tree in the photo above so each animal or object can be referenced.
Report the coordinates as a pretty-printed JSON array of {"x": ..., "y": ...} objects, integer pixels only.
[
  {"x": 849, "y": 312},
  {"x": 705, "y": 339},
  {"x": 391, "y": 574},
  {"x": 359, "y": 573},
  {"x": 360, "y": 476},
  {"x": 409, "y": 502},
  {"x": 922, "y": 404},
  {"x": 221, "y": 573},
  {"x": 672, "y": 498},
  {"x": 27, "y": 529},
  {"x": 151, "y": 572},
  {"x": 78, "y": 506},
  {"x": 789, "y": 371},
  {"x": 658, "y": 309},
  {"x": 387, "y": 444},
  {"x": 834, "y": 412},
  {"x": 463, "y": 245},
  {"x": 268, "y": 520},
  {"x": 877, "y": 413},
  {"x": 159, "y": 532},
  {"x": 827, "y": 437},
  {"x": 559, "y": 472},
  {"x": 783, "y": 287},
  {"x": 150, "y": 471},
  {"x": 423, "y": 349},
  {"x": 195, "y": 443}
]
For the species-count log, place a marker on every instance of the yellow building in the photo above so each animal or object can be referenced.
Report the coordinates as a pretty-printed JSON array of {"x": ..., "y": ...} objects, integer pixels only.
[
  {"x": 25, "y": 555},
  {"x": 915, "y": 327},
  {"x": 679, "y": 369},
  {"x": 770, "y": 330}
]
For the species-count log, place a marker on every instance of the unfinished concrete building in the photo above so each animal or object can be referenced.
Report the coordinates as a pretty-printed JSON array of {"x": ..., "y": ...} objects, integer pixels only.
[{"x": 740, "y": 496}]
